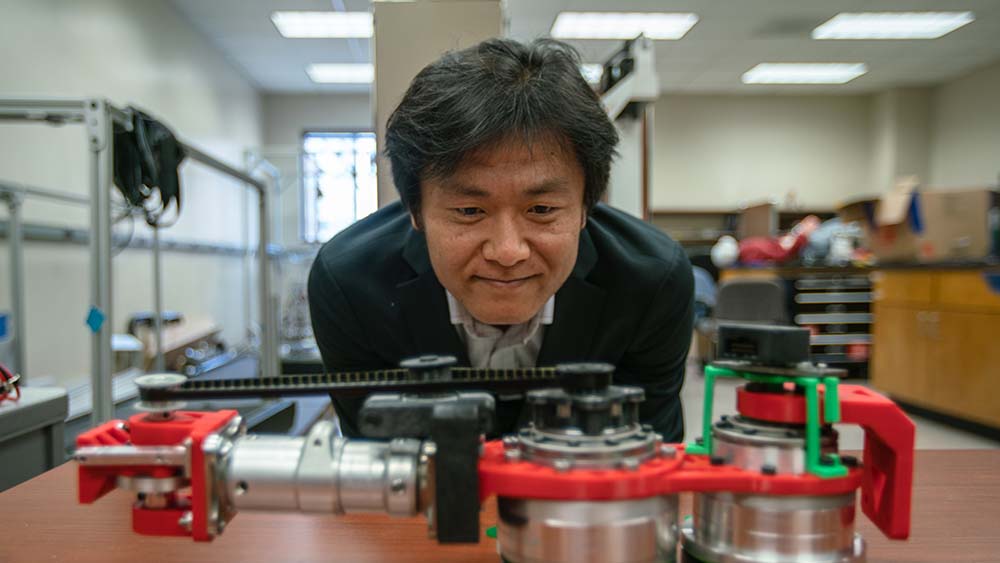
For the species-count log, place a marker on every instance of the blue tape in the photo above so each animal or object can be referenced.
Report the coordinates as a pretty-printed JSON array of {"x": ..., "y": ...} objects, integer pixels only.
[
  {"x": 993, "y": 281},
  {"x": 95, "y": 319},
  {"x": 916, "y": 225},
  {"x": 869, "y": 208}
]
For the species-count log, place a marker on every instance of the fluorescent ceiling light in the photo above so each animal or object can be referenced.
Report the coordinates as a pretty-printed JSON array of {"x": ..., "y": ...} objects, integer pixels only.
[
  {"x": 892, "y": 25},
  {"x": 341, "y": 73},
  {"x": 315, "y": 25},
  {"x": 622, "y": 25},
  {"x": 592, "y": 72},
  {"x": 803, "y": 73}
]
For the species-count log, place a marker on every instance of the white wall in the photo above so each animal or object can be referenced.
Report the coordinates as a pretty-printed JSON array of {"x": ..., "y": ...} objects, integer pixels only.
[
  {"x": 965, "y": 125},
  {"x": 717, "y": 151},
  {"x": 900, "y": 136},
  {"x": 130, "y": 51}
]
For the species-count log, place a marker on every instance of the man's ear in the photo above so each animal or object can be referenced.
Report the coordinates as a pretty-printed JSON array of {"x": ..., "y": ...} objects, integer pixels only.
[
  {"x": 583, "y": 222},
  {"x": 415, "y": 221}
]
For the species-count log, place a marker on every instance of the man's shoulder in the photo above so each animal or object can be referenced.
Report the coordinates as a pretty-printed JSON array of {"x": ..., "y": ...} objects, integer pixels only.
[
  {"x": 634, "y": 247},
  {"x": 369, "y": 241}
]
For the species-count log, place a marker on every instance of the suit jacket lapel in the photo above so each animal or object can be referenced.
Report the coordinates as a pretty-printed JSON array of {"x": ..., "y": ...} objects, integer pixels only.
[
  {"x": 579, "y": 307},
  {"x": 424, "y": 307}
]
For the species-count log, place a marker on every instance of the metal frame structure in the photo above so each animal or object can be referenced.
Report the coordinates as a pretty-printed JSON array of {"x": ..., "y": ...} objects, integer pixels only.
[
  {"x": 14, "y": 195},
  {"x": 99, "y": 117}
]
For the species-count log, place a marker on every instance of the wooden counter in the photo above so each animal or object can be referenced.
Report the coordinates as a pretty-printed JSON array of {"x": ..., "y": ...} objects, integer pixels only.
[{"x": 956, "y": 509}]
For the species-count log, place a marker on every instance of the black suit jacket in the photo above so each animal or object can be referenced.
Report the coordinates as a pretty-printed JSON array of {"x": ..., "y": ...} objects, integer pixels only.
[{"x": 375, "y": 300}]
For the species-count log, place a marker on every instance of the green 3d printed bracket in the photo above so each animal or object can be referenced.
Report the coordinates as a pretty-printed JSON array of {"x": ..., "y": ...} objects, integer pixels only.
[{"x": 826, "y": 467}]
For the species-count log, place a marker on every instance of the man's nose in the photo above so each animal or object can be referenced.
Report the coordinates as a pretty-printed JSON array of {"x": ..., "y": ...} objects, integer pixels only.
[{"x": 506, "y": 245}]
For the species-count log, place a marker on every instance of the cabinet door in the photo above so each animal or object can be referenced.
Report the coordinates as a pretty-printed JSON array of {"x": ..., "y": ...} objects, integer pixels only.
[
  {"x": 967, "y": 291},
  {"x": 902, "y": 288},
  {"x": 899, "y": 353},
  {"x": 965, "y": 360}
]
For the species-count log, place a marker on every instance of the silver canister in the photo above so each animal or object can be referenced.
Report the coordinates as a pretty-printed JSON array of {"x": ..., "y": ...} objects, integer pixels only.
[
  {"x": 626, "y": 531},
  {"x": 748, "y": 528}
]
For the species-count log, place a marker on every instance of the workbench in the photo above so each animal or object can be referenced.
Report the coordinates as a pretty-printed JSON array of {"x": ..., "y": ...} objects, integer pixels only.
[{"x": 956, "y": 509}]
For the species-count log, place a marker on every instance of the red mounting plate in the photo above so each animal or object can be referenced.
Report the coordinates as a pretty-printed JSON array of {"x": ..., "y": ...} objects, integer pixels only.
[{"x": 695, "y": 473}]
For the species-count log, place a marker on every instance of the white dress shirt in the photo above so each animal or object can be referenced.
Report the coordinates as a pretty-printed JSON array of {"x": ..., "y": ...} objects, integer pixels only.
[{"x": 516, "y": 346}]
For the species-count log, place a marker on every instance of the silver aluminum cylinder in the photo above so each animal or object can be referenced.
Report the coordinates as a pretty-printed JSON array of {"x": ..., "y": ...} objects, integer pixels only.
[
  {"x": 629, "y": 531},
  {"x": 732, "y": 528},
  {"x": 324, "y": 473},
  {"x": 754, "y": 445},
  {"x": 743, "y": 528}
]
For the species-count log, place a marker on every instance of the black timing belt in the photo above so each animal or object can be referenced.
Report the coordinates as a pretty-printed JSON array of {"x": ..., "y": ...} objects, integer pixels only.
[{"x": 355, "y": 383}]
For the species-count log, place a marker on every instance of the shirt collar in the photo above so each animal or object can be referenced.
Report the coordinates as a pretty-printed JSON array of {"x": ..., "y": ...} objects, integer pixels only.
[{"x": 461, "y": 316}]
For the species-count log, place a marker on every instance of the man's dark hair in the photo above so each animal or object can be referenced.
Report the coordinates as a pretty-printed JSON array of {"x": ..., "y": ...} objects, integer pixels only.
[{"x": 497, "y": 90}]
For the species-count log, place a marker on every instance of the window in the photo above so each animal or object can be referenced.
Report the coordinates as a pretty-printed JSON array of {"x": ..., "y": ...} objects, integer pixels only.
[{"x": 338, "y": 182}]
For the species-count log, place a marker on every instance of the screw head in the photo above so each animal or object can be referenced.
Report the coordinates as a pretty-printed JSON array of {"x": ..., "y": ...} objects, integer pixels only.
[
  {"x": 668, "y": 451},
  {"x": 562, "y": 465},
  {"x": 630, "y": 464},
  {"x": 512, "y": 455}
]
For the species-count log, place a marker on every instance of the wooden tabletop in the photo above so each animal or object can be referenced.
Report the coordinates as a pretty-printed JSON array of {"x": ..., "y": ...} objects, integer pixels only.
[{"x": 956, "y": 517}]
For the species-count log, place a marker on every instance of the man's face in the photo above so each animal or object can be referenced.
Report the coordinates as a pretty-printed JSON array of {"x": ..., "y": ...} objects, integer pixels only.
[{"x": 503, "y": 230}]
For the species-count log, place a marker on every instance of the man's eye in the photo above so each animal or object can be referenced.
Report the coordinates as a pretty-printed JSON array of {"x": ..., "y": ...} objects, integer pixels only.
[
  {"x": 542, "y": 209},
  {"x": 468, "y": 211}
]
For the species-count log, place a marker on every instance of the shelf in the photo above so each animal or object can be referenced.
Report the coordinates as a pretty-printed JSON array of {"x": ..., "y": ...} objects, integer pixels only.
[
  {"x": 835, "y": 359},
  {"x": 858, "y": 282},
  {"x": 854, "y": 297},
  {"x": 840, "y": 339},
  {"x": 833, "y": 318}
]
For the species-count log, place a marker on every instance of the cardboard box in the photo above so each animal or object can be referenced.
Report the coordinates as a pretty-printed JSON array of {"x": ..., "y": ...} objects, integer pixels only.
[
  {"x": 890, "y": 223},
  {"x": 908, "y": 224},
  {"x": 759, "y": 220},
  {"x": 958, "y": 224}
]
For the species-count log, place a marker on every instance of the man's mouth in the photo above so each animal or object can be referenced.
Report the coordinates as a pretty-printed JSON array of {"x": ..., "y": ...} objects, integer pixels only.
[{"x": 504, "y": 283}]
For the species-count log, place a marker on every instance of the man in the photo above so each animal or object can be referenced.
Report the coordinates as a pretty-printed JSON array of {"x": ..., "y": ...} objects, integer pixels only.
[{"x": 499, "y": 252}]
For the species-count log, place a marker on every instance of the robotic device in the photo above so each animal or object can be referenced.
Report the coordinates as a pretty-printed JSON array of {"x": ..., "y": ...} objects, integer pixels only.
[{"x": 583, "y": 480}]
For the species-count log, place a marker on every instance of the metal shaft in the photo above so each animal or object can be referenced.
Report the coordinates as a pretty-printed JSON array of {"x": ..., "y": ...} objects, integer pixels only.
[
  {"x": 100, "y": 130},
  {"x": 159, "y": 366},
  {"x": 15, "y": 240},
  {"x": 325, "y": 473}
]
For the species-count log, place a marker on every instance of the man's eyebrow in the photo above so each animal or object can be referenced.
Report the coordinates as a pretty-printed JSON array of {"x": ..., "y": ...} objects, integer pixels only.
[
  {"x": 555, "y": 185},
  {"x": 455, "y": 188}
]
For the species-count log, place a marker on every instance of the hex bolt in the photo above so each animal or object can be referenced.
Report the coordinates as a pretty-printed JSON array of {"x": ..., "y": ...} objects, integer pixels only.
[
  {"x": 512, "y": 455},
  {"x": 630, "y": 464},
  {"x": 398, "y": 486},
  {"x": 562, "y": 465},
  {"x": 668, "y": 451},
  {"x": 185, "y": 520}
]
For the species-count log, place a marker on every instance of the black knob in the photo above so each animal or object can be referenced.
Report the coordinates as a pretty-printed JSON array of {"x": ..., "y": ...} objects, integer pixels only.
[
  {"x": 585, "y": 377},
  {"x": 429, "y": 367}
]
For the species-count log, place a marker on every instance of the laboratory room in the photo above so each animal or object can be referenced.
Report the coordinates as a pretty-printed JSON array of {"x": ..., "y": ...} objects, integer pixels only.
[{"x": 520, "y": 281}]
